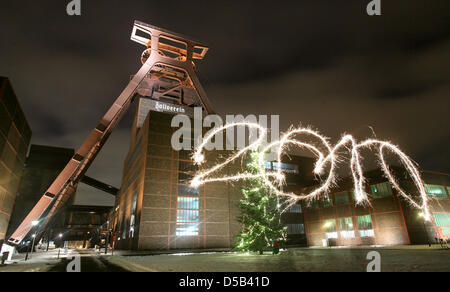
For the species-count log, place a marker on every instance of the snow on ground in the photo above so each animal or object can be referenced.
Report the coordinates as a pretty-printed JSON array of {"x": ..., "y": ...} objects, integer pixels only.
[
  {"x": 397, "y": 259},
  {"x": 393, "y": 259}
]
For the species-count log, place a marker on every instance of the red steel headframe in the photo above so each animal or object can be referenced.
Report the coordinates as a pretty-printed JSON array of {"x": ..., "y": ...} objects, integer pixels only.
[{"x": 157, "y": 55}]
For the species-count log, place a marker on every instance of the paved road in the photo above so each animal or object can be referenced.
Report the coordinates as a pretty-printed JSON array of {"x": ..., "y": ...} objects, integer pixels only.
[{"x": 90, "y": 263}]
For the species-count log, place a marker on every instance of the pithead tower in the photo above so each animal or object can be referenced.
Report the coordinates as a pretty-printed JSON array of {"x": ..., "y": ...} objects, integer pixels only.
[{"x": 157, "y": 208}]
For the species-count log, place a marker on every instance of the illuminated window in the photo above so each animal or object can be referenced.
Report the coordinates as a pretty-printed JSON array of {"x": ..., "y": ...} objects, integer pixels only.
[
  {"x": 297, "y": 208},
  {"x": 187, "y": 216},
  {"x": 187, "y": 200},
  {"x": 188, "y": 203},
  {"x": 133, "y": 215},
  {"x": 327, "y": 203},
  {"x": 381, "y": 190},
  {"x": 295, "y": 229},
  {"x": 346, "y": 223},
  {"x": 367, "y": 233},
  {"x": 435, "y": 191},
  {"x": 442, "y": 219},
  {"x": 187, "y": 229},
  {"x": 365, "y": 226},
  {"x": 348, "y": 234},
  {"x": 342, "y": 198},
  {"x": 364, "y": 222},
  {"x": 330, "y": 235},
  {"x": 122, "y": 223},
  {"x": 284, "y": 167},
  {"x": 347, "y": 227},
  {"x": 330, "y": 227},
  {"x": 446, "y": 230},
  {"x": 185, "y": 190}
]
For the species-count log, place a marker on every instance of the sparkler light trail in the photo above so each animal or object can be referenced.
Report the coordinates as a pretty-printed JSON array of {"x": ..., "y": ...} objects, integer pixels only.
[{"x": 327, "y": 157}]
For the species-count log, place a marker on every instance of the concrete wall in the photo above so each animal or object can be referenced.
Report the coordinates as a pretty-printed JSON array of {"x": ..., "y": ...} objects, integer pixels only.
[{"x": 15, "y": 135}]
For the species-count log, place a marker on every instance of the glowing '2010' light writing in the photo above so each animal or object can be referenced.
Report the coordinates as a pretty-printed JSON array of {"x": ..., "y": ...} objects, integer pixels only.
[{"x": 327, "y": 156}]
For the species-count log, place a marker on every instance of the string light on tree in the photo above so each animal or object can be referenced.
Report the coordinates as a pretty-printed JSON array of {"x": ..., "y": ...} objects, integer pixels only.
[{"x": 260, "y": 213}]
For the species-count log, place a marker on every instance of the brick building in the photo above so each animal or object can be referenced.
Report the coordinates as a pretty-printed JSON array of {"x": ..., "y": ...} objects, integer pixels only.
[
  {"x": 388, "y": 221},
  {"x": 15, "y": 136},
  {"x": 158, "y": 209}
]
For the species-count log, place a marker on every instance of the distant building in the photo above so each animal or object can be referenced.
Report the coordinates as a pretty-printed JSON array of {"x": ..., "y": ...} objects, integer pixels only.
[
  {"x": 77, "y": 224},
  {"x": 389, "y": 220},
  {"x": 42, "y": 166},
  {"x": 15, "y": 135},
  {"x": 80, "y": 226},
  {"x": 298, "y": 171}
]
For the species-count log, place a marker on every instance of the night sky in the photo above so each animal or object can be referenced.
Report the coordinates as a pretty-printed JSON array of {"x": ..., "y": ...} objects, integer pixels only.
[{"x": 320, "y": 63}]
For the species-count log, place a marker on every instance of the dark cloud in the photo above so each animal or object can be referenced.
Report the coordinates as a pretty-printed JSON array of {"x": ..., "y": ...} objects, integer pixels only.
[{"x": 324, "y": 63}]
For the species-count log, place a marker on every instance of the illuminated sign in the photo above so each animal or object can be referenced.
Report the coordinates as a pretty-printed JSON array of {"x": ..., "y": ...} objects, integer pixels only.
[
  {"x": 147, "y": 105},
  {"x": 164, "y": 107}
]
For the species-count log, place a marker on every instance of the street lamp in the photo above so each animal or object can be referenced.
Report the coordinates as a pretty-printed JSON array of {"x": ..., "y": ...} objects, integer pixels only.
[
  {"x": 32, "y": 246},
  {"x": 34, "y": 224},
  {"x": 59, "y": 250}
]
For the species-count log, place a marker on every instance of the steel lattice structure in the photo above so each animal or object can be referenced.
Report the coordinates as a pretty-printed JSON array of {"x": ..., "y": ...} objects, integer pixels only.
[{"x": 167, "y": 74}]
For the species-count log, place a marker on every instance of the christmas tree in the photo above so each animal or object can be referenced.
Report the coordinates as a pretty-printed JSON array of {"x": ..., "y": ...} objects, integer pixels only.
[{"x": 260, "y": 213}]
